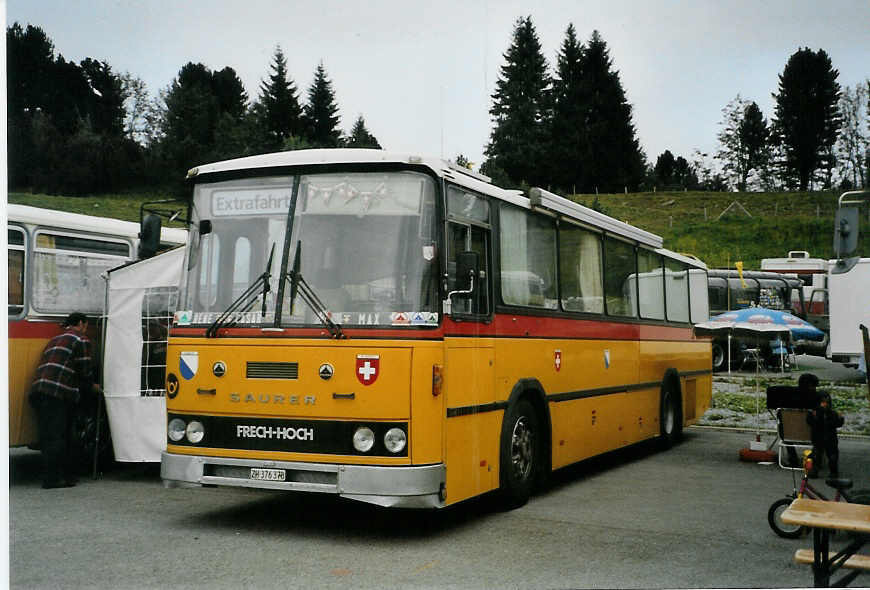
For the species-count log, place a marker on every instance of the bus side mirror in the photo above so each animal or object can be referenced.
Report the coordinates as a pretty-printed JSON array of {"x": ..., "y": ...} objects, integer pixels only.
[
  {"x": 467, "y": 269},
  {"x": 845, "y": 231},
  {"x": 205, "y": 227},
  {"x": 149, "y": 236}
]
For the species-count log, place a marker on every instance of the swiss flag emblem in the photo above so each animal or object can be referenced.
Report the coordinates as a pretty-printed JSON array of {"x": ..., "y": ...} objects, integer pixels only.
[
  {"x": 368, "y": 367},
  {"x": 557, "y": 359}
]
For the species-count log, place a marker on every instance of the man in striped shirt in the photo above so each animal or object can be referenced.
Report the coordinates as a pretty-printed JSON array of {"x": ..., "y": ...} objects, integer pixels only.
[{"x": 64, "y": 372}]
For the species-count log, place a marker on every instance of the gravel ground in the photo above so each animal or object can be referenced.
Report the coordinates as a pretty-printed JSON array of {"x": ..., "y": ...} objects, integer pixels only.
[{"x": 736, "y": 397}]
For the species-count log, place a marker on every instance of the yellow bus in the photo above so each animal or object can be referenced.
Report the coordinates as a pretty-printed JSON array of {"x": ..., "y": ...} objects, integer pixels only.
[{"x": 398, "y": 330}]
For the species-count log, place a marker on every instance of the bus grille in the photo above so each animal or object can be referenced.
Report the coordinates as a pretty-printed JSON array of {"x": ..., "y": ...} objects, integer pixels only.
[{"x": 263, "y": 370}]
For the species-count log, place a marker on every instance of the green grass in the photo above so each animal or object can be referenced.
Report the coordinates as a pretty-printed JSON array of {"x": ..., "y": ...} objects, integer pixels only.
[
  {"x": 686, "y": 220},
  {"x": 690, "y": 223}
]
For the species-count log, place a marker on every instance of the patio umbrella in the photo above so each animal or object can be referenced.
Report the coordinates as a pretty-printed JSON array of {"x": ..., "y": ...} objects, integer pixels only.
[
  {"x": 758, "y": 320},
  {"x": 752, "y": 322}
]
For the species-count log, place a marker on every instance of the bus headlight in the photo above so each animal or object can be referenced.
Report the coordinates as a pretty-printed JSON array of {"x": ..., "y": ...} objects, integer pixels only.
[
  {"x": 195, "y": 431},
  {"x": 363, "y": 439},
  {"x": 395, "y": 440},
  {"x": 176, "y": 429}
]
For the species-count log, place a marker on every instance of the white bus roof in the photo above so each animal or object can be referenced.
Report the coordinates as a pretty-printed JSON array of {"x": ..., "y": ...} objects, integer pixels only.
[
  {"x": 88, "y": 223},
  {"x": 541, "y": 199}
]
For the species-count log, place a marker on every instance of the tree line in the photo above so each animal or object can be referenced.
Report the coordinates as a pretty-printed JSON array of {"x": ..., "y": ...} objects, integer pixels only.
[
  {"x": 80, "y": 128},
  {"x": 572, "y": 130},
  {"x": 77, "y": 128}
]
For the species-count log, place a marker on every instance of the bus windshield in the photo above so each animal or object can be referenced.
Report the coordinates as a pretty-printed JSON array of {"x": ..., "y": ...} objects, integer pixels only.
[{"x": 366, "y": 249}]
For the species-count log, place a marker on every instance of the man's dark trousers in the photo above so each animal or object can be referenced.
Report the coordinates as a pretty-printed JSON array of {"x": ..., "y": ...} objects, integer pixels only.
[{"x": 55, "y": 420}]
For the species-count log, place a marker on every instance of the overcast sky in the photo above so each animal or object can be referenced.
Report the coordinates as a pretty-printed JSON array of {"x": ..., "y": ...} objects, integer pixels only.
[{"x": 421, "y": 73}]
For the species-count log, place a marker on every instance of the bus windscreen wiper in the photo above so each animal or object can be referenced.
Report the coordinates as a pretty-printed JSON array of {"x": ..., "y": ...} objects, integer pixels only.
[
  {"x": 299, "y": 285},
  {"x": 245, "y": 301}
]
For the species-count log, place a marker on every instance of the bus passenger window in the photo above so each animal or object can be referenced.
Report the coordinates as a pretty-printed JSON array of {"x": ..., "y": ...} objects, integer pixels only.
[
  {"x": 620, "y": 269},
  {"x": 650, "y": 284},
  {"x": 699, "y": 302},
  {"x": 16, "y": 271},
  {"x": 528, "y": 259},
  {"x": 677, "y": 291},
  {"x": 580, "y": 270},
  {"x": 67, "y": 271}
]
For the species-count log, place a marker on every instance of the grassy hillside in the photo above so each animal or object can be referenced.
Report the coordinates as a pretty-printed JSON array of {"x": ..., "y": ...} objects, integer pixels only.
[{"x": 689, "y": 222}]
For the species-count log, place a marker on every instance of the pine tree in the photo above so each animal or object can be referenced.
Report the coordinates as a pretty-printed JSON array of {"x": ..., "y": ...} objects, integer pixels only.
[
  {"x": 517, "y": 143},
  {"x": 360, "y": 136},
  {"x": 568, "y": 125},
  {"x": 321, "y": 116},
  {"x": 807, "y": 113},
  {"x": 279, "y": 100},
  {"x": 613, "y": 158}
]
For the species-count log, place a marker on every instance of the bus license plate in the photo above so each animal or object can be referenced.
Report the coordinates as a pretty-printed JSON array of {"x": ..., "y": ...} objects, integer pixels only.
[{"x": 268, "y": 474}]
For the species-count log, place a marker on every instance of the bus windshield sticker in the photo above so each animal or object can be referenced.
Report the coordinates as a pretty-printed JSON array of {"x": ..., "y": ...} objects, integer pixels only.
[
  {"x": 183, "y": 318},
  {"x": 255, "y": 201}
]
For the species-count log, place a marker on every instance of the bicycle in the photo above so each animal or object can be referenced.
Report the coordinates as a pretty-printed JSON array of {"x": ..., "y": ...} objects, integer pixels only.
[{"x": 806, "y": 489}]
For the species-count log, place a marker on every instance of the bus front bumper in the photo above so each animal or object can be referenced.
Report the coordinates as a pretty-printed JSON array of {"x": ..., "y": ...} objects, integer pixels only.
[{"x": 400, "y": 487}]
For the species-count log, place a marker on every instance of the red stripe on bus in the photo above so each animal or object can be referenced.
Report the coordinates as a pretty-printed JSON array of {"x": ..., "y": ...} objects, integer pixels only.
[
  {"x": 502, "y": 325},
  {"x": 31, "y": 329}
]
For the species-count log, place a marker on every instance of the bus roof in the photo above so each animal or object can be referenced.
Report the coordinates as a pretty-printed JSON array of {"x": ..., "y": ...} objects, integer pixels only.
[
  {"x": 540, "y": 199},
  {"x": 89, "y": 223}
]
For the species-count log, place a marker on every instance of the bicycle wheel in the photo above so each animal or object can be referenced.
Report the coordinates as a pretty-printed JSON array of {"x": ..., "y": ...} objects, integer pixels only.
[{"x": 774, "y": 518}]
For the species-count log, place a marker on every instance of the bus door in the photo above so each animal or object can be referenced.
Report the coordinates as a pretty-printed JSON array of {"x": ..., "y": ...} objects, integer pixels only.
[{"x": 471, "y": 445}]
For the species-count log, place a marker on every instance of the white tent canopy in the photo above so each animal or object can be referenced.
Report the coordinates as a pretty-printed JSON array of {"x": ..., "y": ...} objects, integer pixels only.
[{"x": 140, "y": 298}]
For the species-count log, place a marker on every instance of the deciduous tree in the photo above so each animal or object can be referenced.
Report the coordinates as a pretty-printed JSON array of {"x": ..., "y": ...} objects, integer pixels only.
[{"x": 743, "y": 140}]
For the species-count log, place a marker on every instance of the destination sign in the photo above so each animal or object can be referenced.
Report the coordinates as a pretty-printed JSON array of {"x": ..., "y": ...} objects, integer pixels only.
[{"x": 258, "y": 201}]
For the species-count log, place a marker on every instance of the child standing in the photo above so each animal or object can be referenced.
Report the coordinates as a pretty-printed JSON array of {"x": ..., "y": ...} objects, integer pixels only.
[{"x": 824, "y": 421}]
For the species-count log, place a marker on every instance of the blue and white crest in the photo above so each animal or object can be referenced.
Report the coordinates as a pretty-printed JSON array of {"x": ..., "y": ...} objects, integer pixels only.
[{"x": 189, "y": 364}]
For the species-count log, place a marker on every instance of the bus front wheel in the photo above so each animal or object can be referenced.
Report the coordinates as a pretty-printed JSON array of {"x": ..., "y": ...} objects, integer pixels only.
[{"x": 519, "y": 454}]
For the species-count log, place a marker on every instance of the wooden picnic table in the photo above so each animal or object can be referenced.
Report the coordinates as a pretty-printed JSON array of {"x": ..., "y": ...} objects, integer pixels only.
[{"x": 824, "y": 518}]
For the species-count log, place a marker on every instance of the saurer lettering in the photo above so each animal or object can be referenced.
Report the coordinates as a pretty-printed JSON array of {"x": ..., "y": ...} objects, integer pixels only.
[{"x": 277, "y": 398}]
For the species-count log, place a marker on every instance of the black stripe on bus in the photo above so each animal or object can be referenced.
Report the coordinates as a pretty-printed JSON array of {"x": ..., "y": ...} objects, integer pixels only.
[{"x": 570, "y": 395}]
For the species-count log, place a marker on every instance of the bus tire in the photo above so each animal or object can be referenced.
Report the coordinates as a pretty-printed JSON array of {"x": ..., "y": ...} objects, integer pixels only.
[
  {"x": 520, "y": 452},
  {"x": 671, "y": 414}
]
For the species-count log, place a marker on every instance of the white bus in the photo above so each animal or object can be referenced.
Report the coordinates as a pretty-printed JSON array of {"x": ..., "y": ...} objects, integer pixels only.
[{"x": 56, "y": 263}]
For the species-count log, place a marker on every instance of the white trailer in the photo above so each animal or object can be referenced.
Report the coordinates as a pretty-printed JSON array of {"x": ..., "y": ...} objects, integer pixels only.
[{"x": 849, "y": 284}]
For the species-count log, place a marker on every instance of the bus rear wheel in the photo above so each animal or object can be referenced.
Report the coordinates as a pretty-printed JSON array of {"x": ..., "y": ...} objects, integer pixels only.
[
  {"x": 519, "y": 454},
  {"x": 671, "y": 415}
]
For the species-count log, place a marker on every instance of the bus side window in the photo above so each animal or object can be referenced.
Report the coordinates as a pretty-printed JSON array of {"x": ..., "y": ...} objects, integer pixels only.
[
  {"x": 677, "y": 291},
  {"x": 620, "y": 268},
  {"x": 67, "y": 269},
  {"x": 15, "y": 271},
  {"x": 580, "y": 270}
]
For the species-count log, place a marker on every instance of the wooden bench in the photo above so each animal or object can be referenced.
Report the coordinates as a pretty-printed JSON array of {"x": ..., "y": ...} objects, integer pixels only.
[{"x": 856, "y": 562}]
